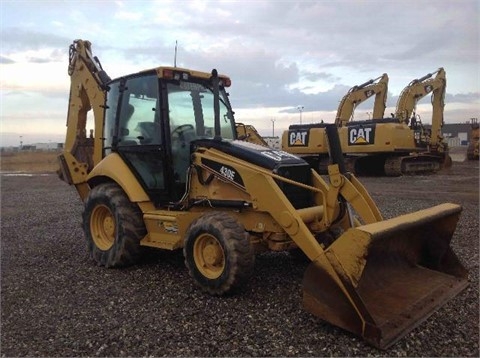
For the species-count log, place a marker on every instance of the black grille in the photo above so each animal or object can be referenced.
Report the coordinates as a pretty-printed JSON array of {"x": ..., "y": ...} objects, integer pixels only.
[{"x": 299, "y": 197}]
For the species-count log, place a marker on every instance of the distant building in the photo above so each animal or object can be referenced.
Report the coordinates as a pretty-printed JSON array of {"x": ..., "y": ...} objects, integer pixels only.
[
  {"x": 47, "y": 146},
  {"x": 457, "y": 133}
]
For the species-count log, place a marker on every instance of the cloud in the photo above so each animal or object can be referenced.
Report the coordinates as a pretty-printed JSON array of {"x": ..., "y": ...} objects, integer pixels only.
[
  {"x": 21, "y": 39},
  {"x": 128, "y": 15},
  {"x": 279, "y": 54},
  {"x": 471, "y": 97},
  {"x": 5, "y": 60}
]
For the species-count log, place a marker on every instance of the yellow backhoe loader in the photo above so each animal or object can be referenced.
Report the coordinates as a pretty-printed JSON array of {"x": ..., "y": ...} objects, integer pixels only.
[{"x": 163, "y": 168}]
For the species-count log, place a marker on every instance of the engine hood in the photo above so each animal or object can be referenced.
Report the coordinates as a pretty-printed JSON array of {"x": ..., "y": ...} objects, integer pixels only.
[{"x": 265, "y": 157}]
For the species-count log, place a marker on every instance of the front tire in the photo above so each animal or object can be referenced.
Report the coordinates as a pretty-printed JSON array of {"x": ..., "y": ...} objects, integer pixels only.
[
  {"x": 113, "y": 226},
  {"x": 218, "y": 254}
]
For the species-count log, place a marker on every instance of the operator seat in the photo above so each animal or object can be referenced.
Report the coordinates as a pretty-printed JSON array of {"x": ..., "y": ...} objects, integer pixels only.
[{"x": 181, "y": 153}]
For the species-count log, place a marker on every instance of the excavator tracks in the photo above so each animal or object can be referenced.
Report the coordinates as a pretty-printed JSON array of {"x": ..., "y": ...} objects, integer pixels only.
[{"x": 411, "y": 165}]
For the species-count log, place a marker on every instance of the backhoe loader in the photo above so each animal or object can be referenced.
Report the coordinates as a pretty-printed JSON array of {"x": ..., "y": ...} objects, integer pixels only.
[{"x": 163, "y": 168}]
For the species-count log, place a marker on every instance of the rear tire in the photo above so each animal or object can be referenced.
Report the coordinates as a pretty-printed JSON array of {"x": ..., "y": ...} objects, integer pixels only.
[
  {"x": 113, "y": 226},
  {"x": 218, "y": 253}
]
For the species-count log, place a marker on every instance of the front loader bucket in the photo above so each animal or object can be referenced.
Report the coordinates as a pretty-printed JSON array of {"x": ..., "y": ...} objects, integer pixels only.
[{"x": 381, "y": 280}]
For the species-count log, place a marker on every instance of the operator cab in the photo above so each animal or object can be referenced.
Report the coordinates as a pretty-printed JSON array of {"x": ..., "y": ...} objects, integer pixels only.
[{"x": 152, "y": 117}]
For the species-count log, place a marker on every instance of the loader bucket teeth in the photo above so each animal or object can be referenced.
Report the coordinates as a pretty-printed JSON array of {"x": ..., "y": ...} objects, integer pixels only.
[{"x": 381, "y": 280}]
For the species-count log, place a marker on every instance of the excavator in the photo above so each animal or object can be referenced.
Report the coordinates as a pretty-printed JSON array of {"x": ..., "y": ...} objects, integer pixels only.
[
  {"x": 401, "y": 144},
  {"x": 394, "y": 146},
  {"x": 309, "y": 141},
  {"x": 406, "y": 112},
  {"x": 163, "y": 168},
  {"x": 249, "y": 133}
]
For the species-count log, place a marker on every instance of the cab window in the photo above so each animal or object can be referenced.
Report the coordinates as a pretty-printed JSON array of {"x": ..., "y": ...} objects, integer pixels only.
[{"x": 139, "y": 121}]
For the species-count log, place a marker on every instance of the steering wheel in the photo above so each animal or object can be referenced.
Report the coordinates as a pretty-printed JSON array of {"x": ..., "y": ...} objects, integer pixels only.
[
  {"x": 182, "y": 128},
  {"x": 178, "y": 135}
]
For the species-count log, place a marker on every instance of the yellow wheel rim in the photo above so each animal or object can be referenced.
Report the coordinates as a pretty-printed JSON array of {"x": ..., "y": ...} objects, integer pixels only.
[
  {"x": 209, "y": 256},
  {"x": 102, "y": 227}
]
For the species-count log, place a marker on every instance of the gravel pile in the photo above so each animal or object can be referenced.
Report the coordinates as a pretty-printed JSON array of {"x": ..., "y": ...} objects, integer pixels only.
[{"x": 56, "y": 302}]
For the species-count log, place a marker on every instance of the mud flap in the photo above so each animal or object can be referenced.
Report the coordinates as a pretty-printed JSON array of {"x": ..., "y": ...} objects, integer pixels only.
[{"x": 381, "y": 280}]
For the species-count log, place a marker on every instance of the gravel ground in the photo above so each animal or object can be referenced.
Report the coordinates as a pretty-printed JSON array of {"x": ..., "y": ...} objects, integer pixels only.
[{"x": 56, "y": 302}]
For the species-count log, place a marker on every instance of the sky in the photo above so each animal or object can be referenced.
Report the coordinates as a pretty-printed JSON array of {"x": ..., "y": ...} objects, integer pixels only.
[{"x": 281, "y": 55}]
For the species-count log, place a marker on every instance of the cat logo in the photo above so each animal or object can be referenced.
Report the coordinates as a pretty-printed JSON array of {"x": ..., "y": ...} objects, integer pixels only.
[
  {"x": 369, "y": 93},
  {"x": 361, "y": 135},
  {"x": 169, "y": 227},
  {"x": 298, "y": 138},
  {"x": 428, "y": 88}
]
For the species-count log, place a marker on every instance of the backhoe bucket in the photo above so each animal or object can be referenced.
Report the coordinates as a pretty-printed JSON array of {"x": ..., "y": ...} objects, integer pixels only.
[{"x": 381, "y": 280}]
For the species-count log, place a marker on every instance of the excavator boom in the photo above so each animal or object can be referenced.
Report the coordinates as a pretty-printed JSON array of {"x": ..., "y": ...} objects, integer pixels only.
[
  {"x": 419, "y": 88},
  {"x": 249, "y": 133},
  {"x": 359, "y": 94}
]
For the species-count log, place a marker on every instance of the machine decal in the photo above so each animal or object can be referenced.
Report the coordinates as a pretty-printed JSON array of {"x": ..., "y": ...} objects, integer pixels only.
[
  {"x": 223, "y": 171},
  {"x": 369, "y": 93},
  {"x": 169, "y": 227},
  {"x": 227, "y": 172},
  {"x": 361, "y": 135},
  {"x": 277, "y": 155},
  {"x": 298, "y": 138}
]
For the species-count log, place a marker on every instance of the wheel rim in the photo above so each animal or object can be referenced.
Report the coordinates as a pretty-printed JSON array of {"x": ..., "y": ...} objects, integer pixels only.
[
  {"x": 102, "y": 227},
  {"x": 209, "y": 256}
]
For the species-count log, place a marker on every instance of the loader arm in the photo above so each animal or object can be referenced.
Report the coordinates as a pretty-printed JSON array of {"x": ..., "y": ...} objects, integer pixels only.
[
  {"x": 266, "y": 196},
  {"x": 359, "y": 94}
]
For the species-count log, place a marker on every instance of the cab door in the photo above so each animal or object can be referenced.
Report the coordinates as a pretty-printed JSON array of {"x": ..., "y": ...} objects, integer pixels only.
[{"x": 134, "y": 129}]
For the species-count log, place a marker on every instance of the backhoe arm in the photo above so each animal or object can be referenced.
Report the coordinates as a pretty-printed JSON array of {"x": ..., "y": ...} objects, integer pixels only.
[{"x": 87, "y": 91}]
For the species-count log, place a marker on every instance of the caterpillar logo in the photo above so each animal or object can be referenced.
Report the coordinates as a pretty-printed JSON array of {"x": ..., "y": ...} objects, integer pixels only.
[
  {"x": 361, "y": 135},
  {"x": 298, "y": 138},
  {"x": 169, "y": 227},
  {"x": 428, "y": 88},
  {"x": 369, "y": 93}
]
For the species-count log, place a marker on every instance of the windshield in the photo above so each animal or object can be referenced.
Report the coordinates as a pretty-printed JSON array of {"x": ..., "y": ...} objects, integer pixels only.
[{"x": 191, "y": 106}]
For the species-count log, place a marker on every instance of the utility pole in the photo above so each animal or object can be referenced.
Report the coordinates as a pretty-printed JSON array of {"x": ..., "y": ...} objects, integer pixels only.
[
  {"x": 300, "y": 109},
  {"x": 273, "y": 127}
]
